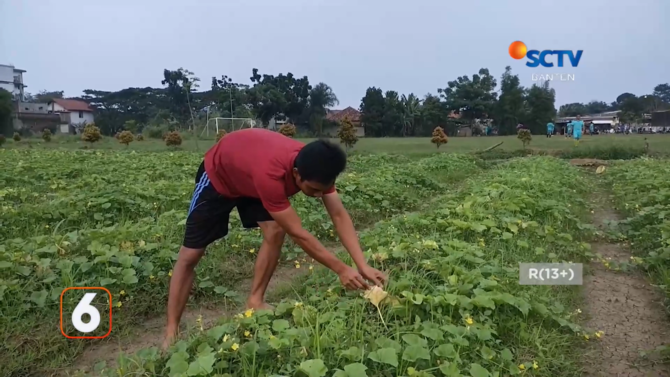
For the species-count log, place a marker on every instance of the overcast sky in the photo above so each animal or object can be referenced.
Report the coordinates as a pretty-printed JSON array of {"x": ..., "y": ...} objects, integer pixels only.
[{"x": 407, "y": 46}]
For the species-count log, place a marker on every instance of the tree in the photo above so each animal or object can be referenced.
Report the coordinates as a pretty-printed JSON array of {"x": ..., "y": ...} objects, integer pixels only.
[
  {"x": 433, "y": 113},
  {"x": 572, "y": 109},
  {"x": 372, "y": 112},
  {"x": 540, "y": 103},
  {"x": 439, "y": 137},
  {"x": 321, "y": 97},
  {"x": 276, "y": 96},
  {"x": 631, "y": 110},
  {"x": 471, "y": 98},
  {"x": 623, "y": 97},
  {"x": 46, "y": 135},
  {"x": 45, "y": 96},
  {"x": 347, "y": 134},
  {"x": 180, "y": 87},
  {"x": 229, "y": 97},
  {"x": 392, "y": 121},
  {"x": 597, "y": 107},
  {"x": 662, "y": 91},
  {"x": 173, "y": 139},
  {"x": 91, "y": 134},
  {"x": 411, "y": 113},
  {"x": 126, "y": 137},
  {"x": 525, "y": 136},
  {"x": 287, "y": 130},
  {"x": 510, "y": 109},
  {"x": 6, "y": 111}
]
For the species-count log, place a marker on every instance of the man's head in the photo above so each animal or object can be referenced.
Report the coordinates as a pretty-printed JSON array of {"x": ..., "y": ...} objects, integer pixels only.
[
  {"x": 317, "y": 165},
  {"x": 579, "y": 117}
]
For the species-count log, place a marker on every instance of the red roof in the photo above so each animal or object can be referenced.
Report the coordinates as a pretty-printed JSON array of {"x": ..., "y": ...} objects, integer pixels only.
[
  {"x": 337, "y": 115},
  {"x": 72, "y": 104}
]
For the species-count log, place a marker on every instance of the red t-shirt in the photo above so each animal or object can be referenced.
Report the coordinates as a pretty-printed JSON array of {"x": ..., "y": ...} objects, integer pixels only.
[{"x": 255, "y": 163}]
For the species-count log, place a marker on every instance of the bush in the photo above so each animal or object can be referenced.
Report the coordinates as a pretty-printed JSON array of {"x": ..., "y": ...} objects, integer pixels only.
[
  {"x": 347, "y": 133},
  {"x": 220, "y": 134},
  {"x": 46, "y": 135},
  {"x": 288, "y": 130},
  {"x": 3, "y": 139},
  {"x": 117, "y": 135},
  {"x": 525, "y": 136},
  {"x": 126, "y": 137},
  {"x": 17, "y": 136},
  {"x": 439, "y": 137},
  {"x": 91, "y": 133},
  {"x": 173, "y": 139},
  {"x": 139, "y": 137}
]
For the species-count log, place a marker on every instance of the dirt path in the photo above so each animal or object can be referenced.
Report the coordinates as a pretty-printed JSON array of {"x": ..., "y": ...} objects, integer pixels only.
[{"x": 627, "y": 309}]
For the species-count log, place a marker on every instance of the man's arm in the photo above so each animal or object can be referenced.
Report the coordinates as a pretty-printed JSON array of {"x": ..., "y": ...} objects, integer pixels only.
[
  {"x": 289, "y": 221},
  {"x": 347, "y": 233}
]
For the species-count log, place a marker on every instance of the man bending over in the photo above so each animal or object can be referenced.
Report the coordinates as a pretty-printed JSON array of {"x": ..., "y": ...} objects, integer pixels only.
[{"x": 256, "y": 171}]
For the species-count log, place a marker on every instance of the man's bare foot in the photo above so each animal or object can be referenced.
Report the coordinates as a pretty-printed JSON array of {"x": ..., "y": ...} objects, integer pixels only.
[
  {"x": 170, "y": 337},
  {"x": 259, "y": 305}
]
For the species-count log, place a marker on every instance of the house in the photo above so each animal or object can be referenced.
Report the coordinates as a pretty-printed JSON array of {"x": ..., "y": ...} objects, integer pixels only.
[
  {"x": 11, "y": 79},
  {"x": 75, "y": 114},
  {"x": 338, "y": 115}
]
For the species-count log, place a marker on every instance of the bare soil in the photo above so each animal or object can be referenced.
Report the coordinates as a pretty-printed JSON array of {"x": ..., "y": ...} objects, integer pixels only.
[{"x": 629, "y": 312}]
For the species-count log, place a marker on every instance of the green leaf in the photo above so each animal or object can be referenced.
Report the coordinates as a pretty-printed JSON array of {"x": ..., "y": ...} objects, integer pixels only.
[
  {"x": 413, "y": 353},
  {"x": 4, "y": 264},
  {"x": 384, "y": 342},
  {"x": 206, "y": 284},
  {"x": 507, "y": 235},
  {"x": 249, "y": 349},
  {"x": 506, "y": 354},
  {"x": 478, "y": 228},
  {"x": 353, "y": 353},
  {"x": 177, "y": 364},
  {"x": 277, "y": 343},
  {"x": 220, "y": 290},
  {"x": 513, "y": 228},
  {"x": 39, "y": 297},
  {"x": 450, "y": 369},
  {"x": 280, "y": 325},
  {"x": 23, "y": 270},
  {"x": 446, "y": 351},
  {"x": 217, "y": 332},
  {"x": 130, "y": 279},
  {"x": 432, "y": 333},
  {"x": 414, "y": 340},
  {"x": 487, "y": 353},
  {"x": 107, "y": 281},
  {"x": 477, "y": 370},
  {"x": 313, "y": 368},
  {"x": 355, "y": 370},
  {"x": 483, "y": 302},
  {"x": 385, "y": 356},
  {"x": 202, "y": 366}
]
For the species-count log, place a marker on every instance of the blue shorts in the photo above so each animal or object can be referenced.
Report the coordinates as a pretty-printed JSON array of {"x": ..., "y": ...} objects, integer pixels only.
[{"x": 577, "y": 135}]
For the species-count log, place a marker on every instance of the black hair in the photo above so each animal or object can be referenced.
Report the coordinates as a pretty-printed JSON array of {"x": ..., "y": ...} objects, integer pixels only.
[{"x": 320, "y": 161}]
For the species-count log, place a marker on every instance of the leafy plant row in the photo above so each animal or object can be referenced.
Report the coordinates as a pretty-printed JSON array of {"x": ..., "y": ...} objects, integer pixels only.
[{"x": 453, "y": 306}]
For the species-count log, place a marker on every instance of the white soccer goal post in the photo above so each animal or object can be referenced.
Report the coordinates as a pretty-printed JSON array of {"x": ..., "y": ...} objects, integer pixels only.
[{"x": 228, "y": 124}]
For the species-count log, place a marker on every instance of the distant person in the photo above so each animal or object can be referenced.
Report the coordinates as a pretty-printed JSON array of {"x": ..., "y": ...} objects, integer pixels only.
[
  {"x": 550, "y": 129},
  {"x": 569, "y": 133},
  {"x": 577, "y": 129},
  {"x": 592, "y": 128}
]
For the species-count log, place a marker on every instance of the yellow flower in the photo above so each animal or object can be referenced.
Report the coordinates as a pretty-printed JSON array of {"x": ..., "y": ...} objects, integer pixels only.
[
  {"x": 235, "y": 346},
  {"x": 170, "y": 273},
  {"x": 599, "y": 333},
  {"x": 226, "y": 338},
  {"x": 248, "y": 313},
  {"x": 252, "y": 251},
  {"x": 272, "y": 337},
  {"x": 535, "y": 366},
  {"x": 469, "y": 321},
  {"x": 119, "y": 304},
  {"x": 297, "y": 265},
  {"x": 586, "y": 337},
  {"x": 297, "y": 304},
  {"x": 247, "y": 333},
  {"x": 152, "y": 277},
  {"x": 522, "y": 367},
  {"x": 122, "y": 292},
  {"x": 311, "y": 268}
]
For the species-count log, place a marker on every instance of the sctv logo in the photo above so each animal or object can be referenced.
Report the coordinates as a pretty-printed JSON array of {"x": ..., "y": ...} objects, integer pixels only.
[{"x": 518, "y": 50}]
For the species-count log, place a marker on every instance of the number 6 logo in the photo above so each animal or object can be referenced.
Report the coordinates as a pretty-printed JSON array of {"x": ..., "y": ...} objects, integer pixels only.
[{"x": 84, "y": 307}]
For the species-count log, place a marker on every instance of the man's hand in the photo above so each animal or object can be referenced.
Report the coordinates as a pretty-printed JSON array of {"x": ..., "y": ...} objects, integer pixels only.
[
  {"x": 353, "y": 280},
  {"x": 374, "y": 275}
]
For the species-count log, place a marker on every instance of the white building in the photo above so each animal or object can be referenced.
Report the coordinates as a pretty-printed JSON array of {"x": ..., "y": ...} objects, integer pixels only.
[
  {"x": 74, "y": 113},
  {"x": 11, "y": 79}
]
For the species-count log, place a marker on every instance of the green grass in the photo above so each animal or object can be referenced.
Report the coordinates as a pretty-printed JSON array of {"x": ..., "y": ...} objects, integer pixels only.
[{"x": 406, "y": 146}]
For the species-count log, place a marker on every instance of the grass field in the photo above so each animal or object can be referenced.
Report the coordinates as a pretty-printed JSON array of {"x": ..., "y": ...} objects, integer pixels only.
[
  {"x": 450, "y": 229},
  {"x": 406, "y": 146}
]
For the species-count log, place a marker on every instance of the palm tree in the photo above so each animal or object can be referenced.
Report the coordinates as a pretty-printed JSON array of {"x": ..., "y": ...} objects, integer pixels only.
[
  {"x": 411, "y": 112},
  {"x": 320, "y": 98}
]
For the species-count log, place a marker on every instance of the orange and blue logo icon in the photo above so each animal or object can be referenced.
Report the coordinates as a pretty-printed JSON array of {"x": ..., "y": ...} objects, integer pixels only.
[{"x": 518, "y": 51}]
